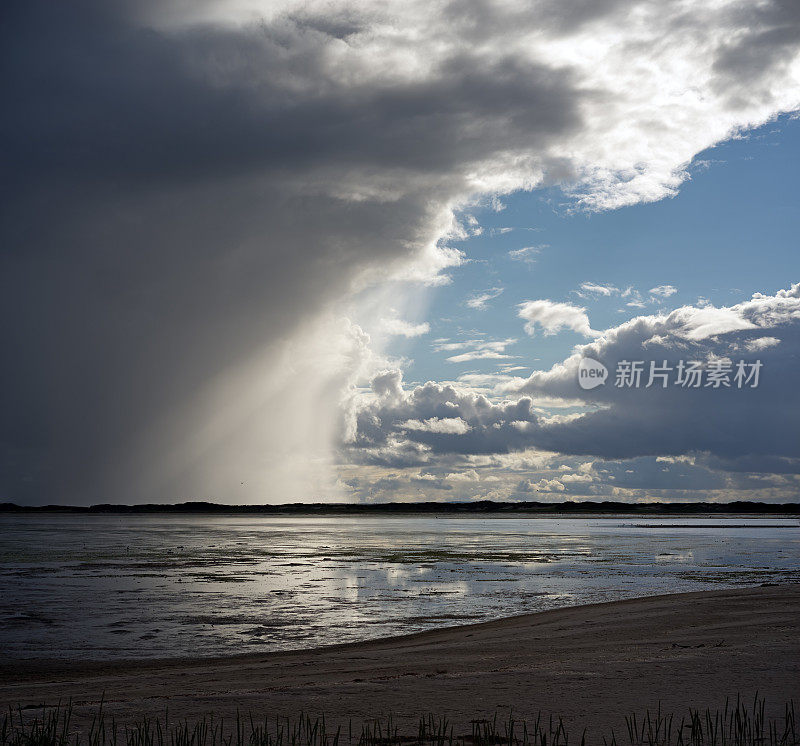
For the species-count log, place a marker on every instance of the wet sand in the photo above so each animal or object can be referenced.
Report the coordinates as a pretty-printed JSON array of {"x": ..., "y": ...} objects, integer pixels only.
[{"x": 590, "y": 664}]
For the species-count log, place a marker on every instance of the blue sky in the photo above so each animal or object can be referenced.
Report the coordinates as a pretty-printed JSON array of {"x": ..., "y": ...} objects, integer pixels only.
[{"x": 731, "y": 230}]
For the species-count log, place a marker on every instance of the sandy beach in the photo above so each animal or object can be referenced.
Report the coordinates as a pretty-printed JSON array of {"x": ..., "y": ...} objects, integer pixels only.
[{"x": 590, "y": 664}]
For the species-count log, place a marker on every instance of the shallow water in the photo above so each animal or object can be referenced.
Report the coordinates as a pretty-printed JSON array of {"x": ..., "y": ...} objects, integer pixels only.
[{"x": 160, "y": 585}]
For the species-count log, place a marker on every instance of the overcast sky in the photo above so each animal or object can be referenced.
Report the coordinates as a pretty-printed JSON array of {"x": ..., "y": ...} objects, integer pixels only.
[{"x": 300, "y": 251}]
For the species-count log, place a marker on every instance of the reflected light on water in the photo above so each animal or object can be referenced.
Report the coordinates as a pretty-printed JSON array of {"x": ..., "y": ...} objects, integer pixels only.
[{"x": 163, "y": 585}]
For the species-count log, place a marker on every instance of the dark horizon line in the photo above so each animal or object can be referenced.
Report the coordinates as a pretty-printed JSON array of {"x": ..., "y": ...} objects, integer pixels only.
[{"x": 422, "y": 507}]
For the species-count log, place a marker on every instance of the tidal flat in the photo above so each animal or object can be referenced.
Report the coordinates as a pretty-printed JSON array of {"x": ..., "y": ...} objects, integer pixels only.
[{"x": 110, "y": 587}]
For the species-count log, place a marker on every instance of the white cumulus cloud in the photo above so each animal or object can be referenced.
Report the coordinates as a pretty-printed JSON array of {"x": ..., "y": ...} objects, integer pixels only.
[
  {"x": 401, "y": 328},
  {"x": 481, "y": 301},
  {"x": 553, "y": 317},
  {"x": 446, "y": 425},
  {"x": 663, "y": 291}
]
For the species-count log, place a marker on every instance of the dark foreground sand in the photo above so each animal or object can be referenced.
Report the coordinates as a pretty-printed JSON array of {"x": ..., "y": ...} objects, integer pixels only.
[{"x": 591, "y": 664}]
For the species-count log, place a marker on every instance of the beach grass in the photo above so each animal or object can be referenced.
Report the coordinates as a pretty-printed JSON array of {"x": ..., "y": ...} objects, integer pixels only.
[{"x": 734, "y": 725}]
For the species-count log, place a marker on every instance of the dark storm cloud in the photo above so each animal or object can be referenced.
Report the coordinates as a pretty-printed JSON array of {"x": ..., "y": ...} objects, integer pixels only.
[
  {"x": 96, "y": 98},
  {"x": 175, "y": 201},
  {"x": 772, "y": 30},
  {"x": 755, "y": 464},
  {"x": 657, "y": 474},
  {"x": 474, "y": 18}
]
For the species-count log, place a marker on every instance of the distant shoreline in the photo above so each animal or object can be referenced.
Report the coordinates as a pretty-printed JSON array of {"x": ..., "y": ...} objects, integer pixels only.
[{"x": 485, "y": 507}]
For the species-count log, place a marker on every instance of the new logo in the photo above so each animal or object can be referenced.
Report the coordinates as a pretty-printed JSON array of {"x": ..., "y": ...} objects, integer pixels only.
[{"x": 591, "y": 373}]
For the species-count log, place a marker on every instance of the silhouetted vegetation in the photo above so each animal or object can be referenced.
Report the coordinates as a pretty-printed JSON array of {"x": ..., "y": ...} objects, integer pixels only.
[
  {"x": 432, "y": 508},
  {"x": 737, "y": 725}
]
